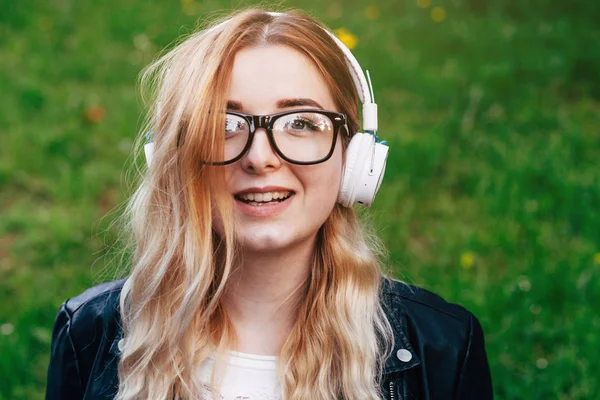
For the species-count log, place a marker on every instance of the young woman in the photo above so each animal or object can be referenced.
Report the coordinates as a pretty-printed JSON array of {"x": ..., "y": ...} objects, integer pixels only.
[{"x": 252, "y": 277}]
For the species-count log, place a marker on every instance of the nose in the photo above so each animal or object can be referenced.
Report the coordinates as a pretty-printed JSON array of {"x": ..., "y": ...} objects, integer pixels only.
[{"x": 260, "y": 157}]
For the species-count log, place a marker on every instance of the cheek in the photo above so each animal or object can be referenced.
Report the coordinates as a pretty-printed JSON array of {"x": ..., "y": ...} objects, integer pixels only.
[{"x": 324, "y": 180}]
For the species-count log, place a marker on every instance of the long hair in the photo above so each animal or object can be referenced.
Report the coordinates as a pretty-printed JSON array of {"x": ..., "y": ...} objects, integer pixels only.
[{"x": 171, "y": 305}]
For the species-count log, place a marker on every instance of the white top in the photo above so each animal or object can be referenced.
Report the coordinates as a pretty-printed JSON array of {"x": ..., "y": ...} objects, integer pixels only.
[{"x": 246, "y": 377}]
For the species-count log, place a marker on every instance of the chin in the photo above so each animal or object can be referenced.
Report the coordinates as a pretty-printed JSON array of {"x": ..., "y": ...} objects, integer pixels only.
[
  {"x": 274, "y": 240},
  {"x": 266, "y": 243}
]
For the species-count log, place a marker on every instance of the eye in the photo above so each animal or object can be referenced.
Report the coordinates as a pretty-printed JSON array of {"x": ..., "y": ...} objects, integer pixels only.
[
  {"x": 303, "y": 124},
  {"x": 300, "y": 124},
  {"x": 234, "y": 125}
]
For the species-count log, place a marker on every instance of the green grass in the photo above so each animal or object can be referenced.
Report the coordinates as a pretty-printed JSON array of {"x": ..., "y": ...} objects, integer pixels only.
[{"x": 491, "y": 196}]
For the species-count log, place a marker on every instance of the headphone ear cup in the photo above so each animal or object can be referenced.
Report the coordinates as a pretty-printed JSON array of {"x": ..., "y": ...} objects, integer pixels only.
[
  {"x": 359, "y": 183},
  {"x": 355, "y": 152},
  {"x": 149, "y": 152}
]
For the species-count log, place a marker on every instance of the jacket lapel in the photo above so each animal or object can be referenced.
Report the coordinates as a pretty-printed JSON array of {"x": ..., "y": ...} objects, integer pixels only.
[{"x": 403, "y": 356}]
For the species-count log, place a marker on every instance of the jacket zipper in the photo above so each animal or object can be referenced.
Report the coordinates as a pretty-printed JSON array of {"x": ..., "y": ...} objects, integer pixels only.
[{"x": 392, "y": 386}]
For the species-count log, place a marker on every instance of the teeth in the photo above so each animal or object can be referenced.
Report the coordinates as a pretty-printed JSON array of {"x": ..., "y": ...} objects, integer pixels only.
[{"x": 264, "y": 197}]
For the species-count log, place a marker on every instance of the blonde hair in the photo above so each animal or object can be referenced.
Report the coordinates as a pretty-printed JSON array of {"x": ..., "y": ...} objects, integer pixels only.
[{"x": 171, "y": 305}]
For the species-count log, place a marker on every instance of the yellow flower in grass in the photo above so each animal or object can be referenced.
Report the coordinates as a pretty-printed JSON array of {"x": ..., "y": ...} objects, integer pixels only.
[
  {"x": 346, "y": 37},
  {"x": 438, "y": 14},
  {"x": 467, "y": 259},
  {"x": 597, "y": 258},
  {"x": 424, "y": 3},
  {"x": 372, "y": 13}
]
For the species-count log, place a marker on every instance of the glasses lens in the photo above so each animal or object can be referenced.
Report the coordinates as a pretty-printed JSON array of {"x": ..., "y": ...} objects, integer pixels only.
[
  {"x": 304, "y": 136},
  {"x": 236, "y": 136}
]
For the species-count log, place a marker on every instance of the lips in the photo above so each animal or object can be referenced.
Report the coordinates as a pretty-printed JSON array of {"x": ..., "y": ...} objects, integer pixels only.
[
  {"x": 265, "y": 189},
  {"x": 264, "y": 197},
  {"x": 267, "y": 194},
  {"x": 264, "y": 202}
]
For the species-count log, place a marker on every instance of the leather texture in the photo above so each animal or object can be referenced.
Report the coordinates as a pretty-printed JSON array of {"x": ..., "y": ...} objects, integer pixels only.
[{"x": 439, "y": 350}]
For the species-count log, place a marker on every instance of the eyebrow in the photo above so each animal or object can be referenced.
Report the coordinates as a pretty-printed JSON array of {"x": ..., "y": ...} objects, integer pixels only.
[{"x": 283, "y": 103}]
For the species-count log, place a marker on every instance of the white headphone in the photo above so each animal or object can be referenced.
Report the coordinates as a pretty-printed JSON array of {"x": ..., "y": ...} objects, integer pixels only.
[{"x": 365, "y": 156}]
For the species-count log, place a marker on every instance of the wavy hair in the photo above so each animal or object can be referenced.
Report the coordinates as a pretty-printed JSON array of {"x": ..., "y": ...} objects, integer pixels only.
[{"x": 171, "y": 305}]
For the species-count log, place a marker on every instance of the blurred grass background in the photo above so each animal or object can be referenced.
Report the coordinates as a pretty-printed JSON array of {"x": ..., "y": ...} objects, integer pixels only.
[{"x": 492, "y": 190}]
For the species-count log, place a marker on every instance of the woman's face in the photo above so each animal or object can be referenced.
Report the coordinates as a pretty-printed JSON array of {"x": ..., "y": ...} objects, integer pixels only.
[{"x": 268, "y": 80}]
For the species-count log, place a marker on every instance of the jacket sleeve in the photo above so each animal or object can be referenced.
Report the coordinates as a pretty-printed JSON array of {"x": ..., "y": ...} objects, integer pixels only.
[
  {"x": 64, "y": 380},
  {"x": 474, "y": 380}
]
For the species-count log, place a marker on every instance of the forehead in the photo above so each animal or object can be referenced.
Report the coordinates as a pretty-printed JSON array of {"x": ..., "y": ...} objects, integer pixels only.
[{"x": 263, "y": 75}]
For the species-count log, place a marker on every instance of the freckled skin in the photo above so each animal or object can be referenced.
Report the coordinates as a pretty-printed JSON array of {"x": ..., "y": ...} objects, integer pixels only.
[{"x": 261, "y": 76}]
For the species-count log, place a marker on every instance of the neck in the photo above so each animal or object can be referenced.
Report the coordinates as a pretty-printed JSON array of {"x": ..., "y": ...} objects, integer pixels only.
[{"x": 263, "y": 294}]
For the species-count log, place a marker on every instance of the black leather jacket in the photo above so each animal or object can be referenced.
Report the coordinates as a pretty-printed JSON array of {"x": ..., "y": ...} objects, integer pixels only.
[{"x": 439, "y": 350}]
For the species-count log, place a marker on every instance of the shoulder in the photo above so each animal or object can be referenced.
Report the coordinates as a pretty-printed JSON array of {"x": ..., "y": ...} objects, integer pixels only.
[
  {"x": 413, "y": 299},
  {"x": 433, "y": 326},
  {"x": 100, "y": 302},
  {"x": 83, "y": 338},
  {"x": 444, "y": 339},
  {"x": 93, "y": 316},
  {"x": 96, "y": 297}
]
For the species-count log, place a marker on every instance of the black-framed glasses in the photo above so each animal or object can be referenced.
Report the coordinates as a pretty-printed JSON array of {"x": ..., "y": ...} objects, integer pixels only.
[{"x": 302, "y": 137}]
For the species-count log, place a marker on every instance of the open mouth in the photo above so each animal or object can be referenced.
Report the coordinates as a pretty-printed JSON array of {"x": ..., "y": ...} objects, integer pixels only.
[{"x": 263, "y": 199}]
